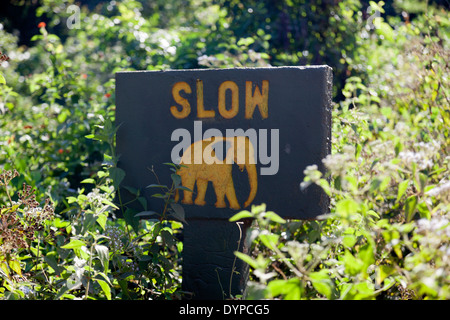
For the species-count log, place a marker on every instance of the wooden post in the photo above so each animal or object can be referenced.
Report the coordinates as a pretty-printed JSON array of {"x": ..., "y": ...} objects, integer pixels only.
[{"x": 210, "y": 268}]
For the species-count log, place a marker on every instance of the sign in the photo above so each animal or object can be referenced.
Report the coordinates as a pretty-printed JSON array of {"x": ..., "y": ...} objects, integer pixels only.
[{"x": 244, "y": 136}]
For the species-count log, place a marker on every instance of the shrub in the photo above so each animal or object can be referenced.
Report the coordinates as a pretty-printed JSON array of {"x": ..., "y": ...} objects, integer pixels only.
[{"x": 387, "y": 234}]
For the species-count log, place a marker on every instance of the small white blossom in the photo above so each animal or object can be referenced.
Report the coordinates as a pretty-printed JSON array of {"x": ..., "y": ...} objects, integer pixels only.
[
  {"x": 313, "y": 175},
  {"x": 95, "y": 197},
  {"x": 339, "y": 162},
  {"x": 79, "y": 263},
  {"x": 442, "y": 191}
]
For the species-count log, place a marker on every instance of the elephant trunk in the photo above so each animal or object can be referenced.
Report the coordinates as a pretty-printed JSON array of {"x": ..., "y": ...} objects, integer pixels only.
[{"x": 253, "y": 182}]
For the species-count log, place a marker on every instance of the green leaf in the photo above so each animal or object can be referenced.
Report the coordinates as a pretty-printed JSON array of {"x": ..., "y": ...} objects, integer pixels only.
[
  {"x": 410, "y": 207},
  {"x": 105, "y": 287},
  {"x": 398, "y": 147},
  {"x": 272, "y": 216},
  {"x": 247, "y": 259},
  {"x": 257, "y": 209},
  {"x": 359, "y": 291},
  {"x": 402, "y": 186},
  {"x": 109, "y": 203},
  {"x": 4, "y": 268},
  {"x": 366, "y": 255},
  {"x": 383, "y": 272},
  {"x": 168, "y": 238},
  {"x": 380, "y": 184},
  {"x": 291, "y": 289},
  {"x": 131, "y": 219},
  {"x": 322, "y": 283},
  {"x": 156, "y": 229},
  {"x": 71, "y": 199},
  {"x": 74, "y": 244},
  {"x": 143, "y": 202},
  {"x": 99, "y": 137},
  {"x": 160, "y": 196},
  {"x": 147, "y": 214},
  {"x": 170, "y": 164},
  {"x": 183, "y": 188},
  {"x": 103, "y": 255},
  {"x": 2, "y": 79},
  {"x": 352, "y": 265},
  {"x": 15, "y": 266},
  {"x": 89, "y": 180},
  {"x": 117, "y": 175},
  {"x": 424, "y": 212},
  {"x": 385, "y": 183},
  {"x": 353, "y": 183},
  {"x": 346, "y": 207},
  {"x": 176, "y": 179},
  {"x": 241, "y": 215},
  {"x": 156, "y": 186},
  {"x": 132, "y": 190},
  {"x": 423, "y": 179},
  {"x": 61, "y": 292},
  {"x": 349, "y": 240},
  {"x": 50, "y": 258},
  {"x": 325, "y": 186},
  {"x": 101, "y": 220},
  {"x": 178, "y": 212},
  {"x": 270, "y": 240},
  {"x": 384, "y": 30}
]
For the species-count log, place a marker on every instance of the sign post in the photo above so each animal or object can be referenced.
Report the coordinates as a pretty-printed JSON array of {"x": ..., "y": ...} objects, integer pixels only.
[{"x": 242, "y": 137}]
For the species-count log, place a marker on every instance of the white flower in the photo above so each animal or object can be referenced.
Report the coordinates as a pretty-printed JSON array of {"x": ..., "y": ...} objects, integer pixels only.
[
  {"x": 423, "y": 157},
  {"x": 79, "y": 263},
  {"x": 311, "y": 172},
  {"x": 339, "y": 162},
  {"x": 94, "y": 197},
  {"x": 442, "y": 190}
]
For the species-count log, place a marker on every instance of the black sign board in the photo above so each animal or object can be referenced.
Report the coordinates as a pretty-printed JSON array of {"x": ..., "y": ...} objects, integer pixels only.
[{"x": 244, "y": 136}]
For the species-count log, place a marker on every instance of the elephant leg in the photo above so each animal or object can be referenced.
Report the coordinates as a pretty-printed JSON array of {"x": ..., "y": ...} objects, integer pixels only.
[
  {"x": 219, "y": 189},
  {"x": 202, "y": 185},
  {"x": 187, "y": 195},
  {"x": 231, "y": 195}
]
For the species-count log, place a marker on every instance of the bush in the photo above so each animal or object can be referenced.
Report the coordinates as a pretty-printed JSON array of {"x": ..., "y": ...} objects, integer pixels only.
[{"x": 387, "y": 235}]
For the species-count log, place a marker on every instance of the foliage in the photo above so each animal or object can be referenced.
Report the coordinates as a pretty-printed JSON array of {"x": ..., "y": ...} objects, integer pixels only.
[
  {"x": 88, "y": 255},
  {"x": 387, "y": 235},
  {"x": 66, "y": 233}
]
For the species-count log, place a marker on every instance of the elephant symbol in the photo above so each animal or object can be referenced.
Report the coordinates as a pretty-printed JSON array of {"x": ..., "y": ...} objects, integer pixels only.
[{"x": 218, "y": 171}]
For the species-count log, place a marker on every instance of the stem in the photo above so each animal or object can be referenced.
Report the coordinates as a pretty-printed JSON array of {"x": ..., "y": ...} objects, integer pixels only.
[
  {"x": 37, "y": 257},
  {"x": 89, "y": 271},
  {"x": 220, "y": 284},
  {"x": 5, "y": 183},
  {"x": 163, "y": 215},
  {"x": 235, "y": 257}
]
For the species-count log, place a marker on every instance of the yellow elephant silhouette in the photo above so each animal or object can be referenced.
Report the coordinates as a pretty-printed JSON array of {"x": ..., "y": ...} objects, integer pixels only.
[{"x": 201, "y": 165}]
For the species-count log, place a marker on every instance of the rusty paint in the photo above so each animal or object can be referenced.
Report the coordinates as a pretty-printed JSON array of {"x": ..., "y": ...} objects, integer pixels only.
[
  {"x": 234, "y": 109},
  {"x": 183, "y": 102},
  {"x": 256, "y": 99}
]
